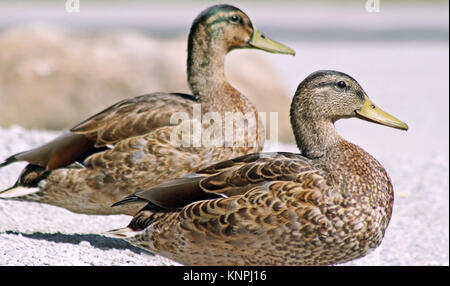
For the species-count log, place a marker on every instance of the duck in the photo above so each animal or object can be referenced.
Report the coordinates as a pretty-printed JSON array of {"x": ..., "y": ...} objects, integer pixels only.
[
  {"x": 329, "y": 204},
  {"x": 130, "y": 145}
]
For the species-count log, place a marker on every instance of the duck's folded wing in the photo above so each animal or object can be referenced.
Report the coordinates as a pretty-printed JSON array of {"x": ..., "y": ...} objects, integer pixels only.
[
  {"x": 225, "y": 179},
  {"x": 238, "y": 175},
  {"x": 172, "y": 194},
  {"x": 133, "y": 117},
  {"x": 262, "y": 210}
]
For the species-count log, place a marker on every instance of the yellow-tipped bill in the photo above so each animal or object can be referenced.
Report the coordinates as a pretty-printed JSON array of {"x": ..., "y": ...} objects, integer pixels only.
[
  {"x": 261, "y": 42},
  {"x": 372, "y": 113}
]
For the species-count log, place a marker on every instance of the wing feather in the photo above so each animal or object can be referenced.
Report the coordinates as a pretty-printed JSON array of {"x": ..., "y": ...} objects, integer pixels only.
[
  {"x": 229, "y": 178},
  {"x": 133, "y": 117}
]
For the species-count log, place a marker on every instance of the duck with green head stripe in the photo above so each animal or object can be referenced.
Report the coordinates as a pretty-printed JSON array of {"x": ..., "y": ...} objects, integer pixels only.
[{"x": 127, "y": 146}]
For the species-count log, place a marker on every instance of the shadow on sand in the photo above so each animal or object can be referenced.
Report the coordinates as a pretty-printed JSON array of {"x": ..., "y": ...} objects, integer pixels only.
[{"x": 97, "y": 241}]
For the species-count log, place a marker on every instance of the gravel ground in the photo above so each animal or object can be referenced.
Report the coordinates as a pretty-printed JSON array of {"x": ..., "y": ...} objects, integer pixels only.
[{"x": 39, "y": 234}]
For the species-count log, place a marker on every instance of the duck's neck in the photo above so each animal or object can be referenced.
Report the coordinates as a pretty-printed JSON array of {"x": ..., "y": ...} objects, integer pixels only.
[
  {"x": 205, "y": 64},
  {"x": 315, "y": 138},
  {"x": 206, "y": 77}
]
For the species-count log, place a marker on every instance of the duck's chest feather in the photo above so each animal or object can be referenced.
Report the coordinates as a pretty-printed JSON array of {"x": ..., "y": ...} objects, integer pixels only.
[{"x": 354, "y": 173}]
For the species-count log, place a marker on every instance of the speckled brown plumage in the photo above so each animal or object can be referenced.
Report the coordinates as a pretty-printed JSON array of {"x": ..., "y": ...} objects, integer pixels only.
[
  {"x": 127, "y": 146},
  {"x": 328, "y": 205}
]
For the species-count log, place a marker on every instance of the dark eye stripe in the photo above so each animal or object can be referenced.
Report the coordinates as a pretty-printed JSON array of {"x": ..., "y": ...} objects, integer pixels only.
[{"x": 323, "y": 84}]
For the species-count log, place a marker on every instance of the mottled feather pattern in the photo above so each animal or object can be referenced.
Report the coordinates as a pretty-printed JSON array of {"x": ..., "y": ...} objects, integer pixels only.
[
  {"x": 133, "y": 117},
  {"x": 275, "y": 212},
  {"x": 238, "y": 175},
  {"x": 112, "y": 175}
]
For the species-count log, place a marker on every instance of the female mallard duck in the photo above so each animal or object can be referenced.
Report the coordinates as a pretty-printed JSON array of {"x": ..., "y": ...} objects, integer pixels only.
[
  {"x": 329, "y": 204},
  {"x": 127, "y": 146}
]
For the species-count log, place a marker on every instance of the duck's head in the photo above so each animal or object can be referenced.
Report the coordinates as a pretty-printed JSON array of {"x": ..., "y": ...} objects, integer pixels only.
[
  {"x": 331, "y": 95},
  {"x": 227, "y": 27}
]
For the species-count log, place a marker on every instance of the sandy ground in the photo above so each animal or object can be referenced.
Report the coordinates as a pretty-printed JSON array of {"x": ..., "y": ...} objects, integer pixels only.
[{"x": 408, "y": 79}]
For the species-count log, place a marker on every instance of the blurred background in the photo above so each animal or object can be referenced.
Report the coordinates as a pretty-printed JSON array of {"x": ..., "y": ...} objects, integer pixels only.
[{"x": 61, "y": 61}]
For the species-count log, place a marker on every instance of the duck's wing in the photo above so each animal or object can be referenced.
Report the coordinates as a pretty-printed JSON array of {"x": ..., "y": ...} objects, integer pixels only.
[
  {"x": 236, "y": 176},
  {"x": 225, "y": 179},
  {"x": 125, "y": 119},
  {"x": 133, "y": 117},
  {"x": 257, "y": 194}
]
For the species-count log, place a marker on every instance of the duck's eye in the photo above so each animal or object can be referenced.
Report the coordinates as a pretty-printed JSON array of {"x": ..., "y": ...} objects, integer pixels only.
[
  {"x": 235, "y": 18},
  {"x": 341, "y": 84}
]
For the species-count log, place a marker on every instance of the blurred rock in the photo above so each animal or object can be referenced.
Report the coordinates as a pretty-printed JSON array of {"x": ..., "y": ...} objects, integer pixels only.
[{"x": 51, "y": 78}]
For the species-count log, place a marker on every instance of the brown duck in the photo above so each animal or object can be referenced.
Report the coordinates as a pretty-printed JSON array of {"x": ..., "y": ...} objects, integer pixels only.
[
  {"x": 128, "y": 146},
  {"x": 330, "y": 204}
]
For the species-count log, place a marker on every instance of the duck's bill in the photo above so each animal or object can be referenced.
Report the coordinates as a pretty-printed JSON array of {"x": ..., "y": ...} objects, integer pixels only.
[
  {"x": 259, "y": 41},
  {"x": 373, "y": 113}
]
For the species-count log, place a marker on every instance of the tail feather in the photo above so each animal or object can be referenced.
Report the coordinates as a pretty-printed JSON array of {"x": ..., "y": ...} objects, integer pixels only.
[
  {"x": 123, "y": 233},
  {"x": 8, "y": 189},
  {"x": 17, "y": 191}
]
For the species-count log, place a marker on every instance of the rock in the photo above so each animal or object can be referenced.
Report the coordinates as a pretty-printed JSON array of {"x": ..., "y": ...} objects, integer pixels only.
[{"x": 84, "y": 243}]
